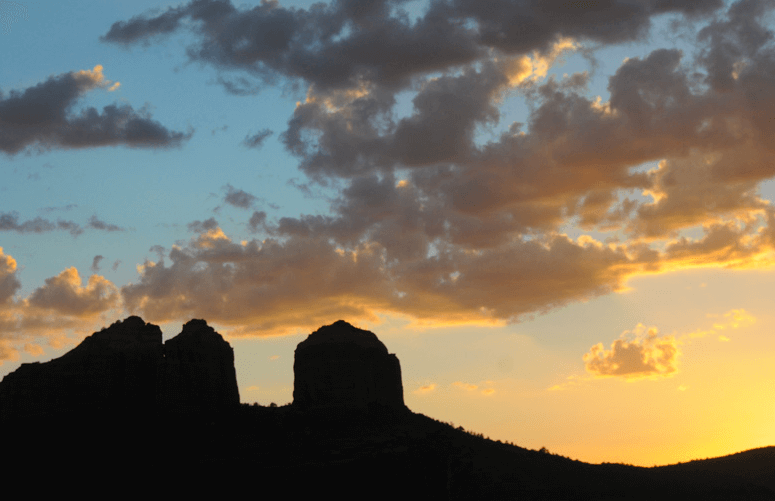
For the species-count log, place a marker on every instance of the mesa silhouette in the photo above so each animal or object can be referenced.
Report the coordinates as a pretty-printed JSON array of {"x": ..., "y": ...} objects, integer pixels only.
[{"x": 122, "y": 405}]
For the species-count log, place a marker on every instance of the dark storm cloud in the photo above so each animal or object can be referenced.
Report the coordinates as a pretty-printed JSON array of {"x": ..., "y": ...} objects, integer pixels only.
[
  {"x": 42, "y": 116},
  {"x": 257, "y": 139}
]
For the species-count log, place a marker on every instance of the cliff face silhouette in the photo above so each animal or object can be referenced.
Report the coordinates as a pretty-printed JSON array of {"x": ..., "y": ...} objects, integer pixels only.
[
  {"x": 126, "y": 368},
  {"x": 122, "y": 405},
  {"x": 341, "y": 366}
]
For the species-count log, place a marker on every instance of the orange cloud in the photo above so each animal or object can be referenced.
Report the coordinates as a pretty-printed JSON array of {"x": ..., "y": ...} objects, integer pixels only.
[
  {"x": 9, "y": 283},
  {"x": 7, "y": 351},
  {"x": 733, "y": 319},
  {"x": 33, "y": 349},
  {"x": 55, "y": 314},
  {"x": 636, "y": 354},
  {"x": 65, "y": 294},
  {"x": 425, "y": 389}
]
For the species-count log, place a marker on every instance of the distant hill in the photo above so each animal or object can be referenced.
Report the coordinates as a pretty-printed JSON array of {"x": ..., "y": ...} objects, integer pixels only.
[{"x": 348, "y": 431}]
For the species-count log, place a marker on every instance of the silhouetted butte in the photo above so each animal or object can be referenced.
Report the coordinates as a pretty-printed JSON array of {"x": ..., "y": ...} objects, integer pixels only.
[
  {"x": 125, "y": 369},
  {"x": 341, "y": 366}
]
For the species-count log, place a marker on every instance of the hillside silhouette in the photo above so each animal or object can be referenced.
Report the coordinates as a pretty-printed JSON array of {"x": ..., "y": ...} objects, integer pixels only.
[{"x": 124, "y": 410}]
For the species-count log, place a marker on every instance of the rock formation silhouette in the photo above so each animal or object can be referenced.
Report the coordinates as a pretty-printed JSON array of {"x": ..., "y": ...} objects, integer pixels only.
[
  {"x": 342, "y": 367},
  {"x": 198, "y": 371},
  {"x": 125, "y": 368},
  {"x": 123, "y": 409}
]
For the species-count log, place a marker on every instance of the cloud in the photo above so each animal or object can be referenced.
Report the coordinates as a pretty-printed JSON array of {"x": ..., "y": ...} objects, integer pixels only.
[
  {"x": 33, "y": 349},
  {"x": 445, "y": 215},
  {"x": 97, "y": 224},
  {"x": 733, "y": 319},
  {"x": 308, "y": 275},
  {"x": 65, "y": 208},
  {"x": 9, "y": 282},
  {"x": 639, "y": 353},
  {"x": 269, "y": 287},
  {"x": 464, "y": 386},
  {"x": 643, "y": 353},
  {"x": 338, "y": 45},
  {"x": 257, "y": 221},
  {"x": 66, "y": 295},
  {"x": 425, "y": 389},
  {"x": 733, "y": 40},
  {"x": 384, "y": 262},
  {"x": 257, "y": 139},
  {"x": 199, "y": 227},
  {"x": 139, "y": 28},
  {"x": 43, "y": 116},
  {"x": 95, "y": 265},
  {"x": 326, "y": 45},
  {"x": 7, "y": 351},
  {"x": 9, "y": 221},
  {"x": 55, "y": 314},
  {"x": 238, "y": 198}
]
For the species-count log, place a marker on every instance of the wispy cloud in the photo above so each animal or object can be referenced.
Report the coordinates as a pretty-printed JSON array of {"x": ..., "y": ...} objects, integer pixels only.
[{"x": 425, "y": 389}]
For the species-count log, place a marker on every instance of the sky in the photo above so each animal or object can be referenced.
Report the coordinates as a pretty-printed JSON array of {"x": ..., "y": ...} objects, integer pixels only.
[{"x": 557, "y": 214}]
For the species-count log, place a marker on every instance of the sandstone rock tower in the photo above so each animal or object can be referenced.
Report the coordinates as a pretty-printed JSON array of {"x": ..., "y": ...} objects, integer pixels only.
[
  {"x": 125, "y": 370},
  {"x": 198, "y": 371},
  {"x": 342, "y": 367}
]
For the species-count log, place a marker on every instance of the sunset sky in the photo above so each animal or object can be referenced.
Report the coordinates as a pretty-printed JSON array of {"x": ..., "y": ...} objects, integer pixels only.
[{"x": 557, "y": 214}]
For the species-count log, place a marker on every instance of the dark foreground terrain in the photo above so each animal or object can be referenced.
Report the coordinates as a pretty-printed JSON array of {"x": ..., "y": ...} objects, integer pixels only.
[
  {"x": 347, "y": 433},
  {"x": 371, "y": 455}
]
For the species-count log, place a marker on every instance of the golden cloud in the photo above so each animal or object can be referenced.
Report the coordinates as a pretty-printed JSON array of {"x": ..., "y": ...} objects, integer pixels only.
[
  {"x": 56, "y": 314},
  {"x": 7, "y": 351},
  {"x": 639, "y": 353},
  {"x": 425, "y": 389},
  {"x": 64, "y": 294}
]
